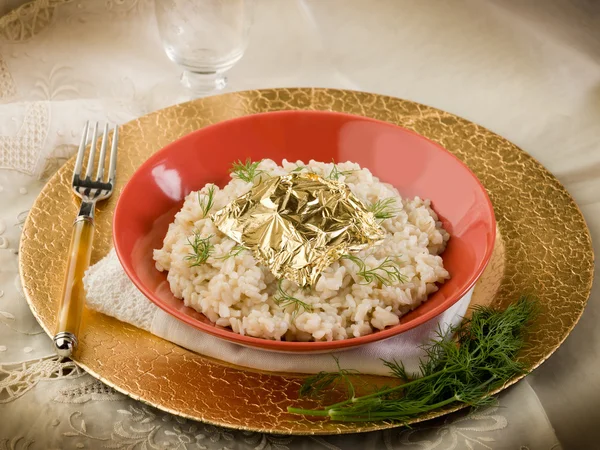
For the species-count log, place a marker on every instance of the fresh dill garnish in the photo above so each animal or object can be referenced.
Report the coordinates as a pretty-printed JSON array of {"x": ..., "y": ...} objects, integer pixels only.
[
  {"x": 384, "y": 209},
  {"x": 235, "y": 251},
  {"x": 323, "y": 381},
  {"x": 480, "y": 359},
  {"x": 336, "y": 173},
  {"x": 246, "y": 171},
  {"x": 201, "y": 250},
  {"x": 298, "y": 168},
  {"x": 207, "y": 201},
  {"x": 386, "y": 273},
  {"x": 283, "y": 300}
]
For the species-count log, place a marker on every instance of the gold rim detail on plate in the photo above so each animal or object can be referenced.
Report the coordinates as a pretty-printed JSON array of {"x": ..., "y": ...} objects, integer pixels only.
[{"x": 545, "y": 249}]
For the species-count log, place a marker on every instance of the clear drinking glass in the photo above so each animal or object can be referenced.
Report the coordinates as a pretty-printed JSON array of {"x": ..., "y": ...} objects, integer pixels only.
[{"x": 205, "y": 37}]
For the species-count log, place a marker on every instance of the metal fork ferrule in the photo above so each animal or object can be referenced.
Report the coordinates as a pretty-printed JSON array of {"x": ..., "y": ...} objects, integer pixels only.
[
  {"x": 84, "y": 219},
  {"x": 86, "y": 211}
]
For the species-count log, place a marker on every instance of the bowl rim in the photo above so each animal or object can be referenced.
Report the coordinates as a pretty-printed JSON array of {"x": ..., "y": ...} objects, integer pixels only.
[{"x": 296, "y": 346}]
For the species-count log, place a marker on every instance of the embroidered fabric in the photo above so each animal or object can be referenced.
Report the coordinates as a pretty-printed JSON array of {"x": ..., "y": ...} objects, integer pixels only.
[
  {"x": 64, "y": 60},
  {"x": 17, "y": 379}
]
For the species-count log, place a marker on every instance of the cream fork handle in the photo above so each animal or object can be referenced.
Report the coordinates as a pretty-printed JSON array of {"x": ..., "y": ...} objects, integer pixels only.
[{"x": 73, "y": 293}]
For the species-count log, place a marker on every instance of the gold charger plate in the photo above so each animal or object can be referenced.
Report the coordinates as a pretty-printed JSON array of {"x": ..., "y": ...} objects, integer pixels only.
[{"x": 544, "y": 248}]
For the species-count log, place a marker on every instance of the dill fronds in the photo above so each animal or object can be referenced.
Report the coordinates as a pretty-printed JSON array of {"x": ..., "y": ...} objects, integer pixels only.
[
  {"x": 235, "y": 251},
  {"x": 283, "y": 300},
  {"x": 386, "y": 273},
  {"x": 336, "y": 173},
  {"x": 299, "y": 168},
  {"x": 246, "y": 171},
  {"x": 202, "y": 249},
  {"x": 481, "y": 358},
  {"x": 384, "y": 209},
  {"x": 207, "y": 201},
  {"x": 323, "y": 381}
]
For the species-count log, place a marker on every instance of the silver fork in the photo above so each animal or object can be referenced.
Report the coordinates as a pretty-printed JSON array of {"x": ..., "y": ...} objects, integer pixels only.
[{"x": 90, "y": 191}]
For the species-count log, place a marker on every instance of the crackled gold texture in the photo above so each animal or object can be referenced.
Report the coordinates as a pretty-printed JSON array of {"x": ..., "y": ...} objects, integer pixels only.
[
  {"x": 544, "y": 248},
  {"x": 299, "y": 224}
]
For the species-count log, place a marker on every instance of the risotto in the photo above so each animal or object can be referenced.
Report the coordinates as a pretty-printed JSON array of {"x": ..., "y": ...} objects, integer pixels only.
[{"x": 233, "y": 290}]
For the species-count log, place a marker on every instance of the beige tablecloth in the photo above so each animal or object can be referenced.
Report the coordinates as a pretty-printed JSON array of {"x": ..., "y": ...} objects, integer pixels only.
[{"x": 525, "y": 70}]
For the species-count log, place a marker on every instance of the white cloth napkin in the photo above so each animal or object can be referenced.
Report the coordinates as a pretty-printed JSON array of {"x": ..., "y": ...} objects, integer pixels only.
[{"x": 111, "y": 292}]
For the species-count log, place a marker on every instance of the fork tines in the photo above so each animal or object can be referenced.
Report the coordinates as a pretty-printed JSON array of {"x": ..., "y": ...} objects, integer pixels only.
[{"x": 77, "y": 179}]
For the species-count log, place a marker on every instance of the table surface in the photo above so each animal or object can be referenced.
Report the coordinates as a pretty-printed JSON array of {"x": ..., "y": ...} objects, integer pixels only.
[{"x": 527, "y": 70}]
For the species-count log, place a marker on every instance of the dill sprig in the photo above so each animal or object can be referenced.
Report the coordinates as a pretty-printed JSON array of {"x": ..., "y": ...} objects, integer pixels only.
[
  {"x": 384, "y": 209},
  {"x": 386, "y": 273},
  {"x": 283, "y": 300},
  {"x": 480, "y": 359},
  {"x": 298, "y": 168},
  {"x": 235, "y": 251},
  {"x": 207, "y": 201},
  {"x": 201, "y": 250},
  {"x": 246, "y": 171},
  {"x": 324, "y": 381},
  {"x": 336, "y": 173}
]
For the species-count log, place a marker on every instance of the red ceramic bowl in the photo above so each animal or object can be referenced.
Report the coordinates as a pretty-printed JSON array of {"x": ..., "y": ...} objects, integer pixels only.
[{"x": 412, "y": 163}]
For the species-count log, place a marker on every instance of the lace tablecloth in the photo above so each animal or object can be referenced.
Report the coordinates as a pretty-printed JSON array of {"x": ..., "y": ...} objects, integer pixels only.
[{"x": 492, "y": 62}]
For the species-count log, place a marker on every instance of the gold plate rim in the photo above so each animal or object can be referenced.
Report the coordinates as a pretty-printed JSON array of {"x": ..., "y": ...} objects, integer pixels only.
[{"x": 437, "y": 125}]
